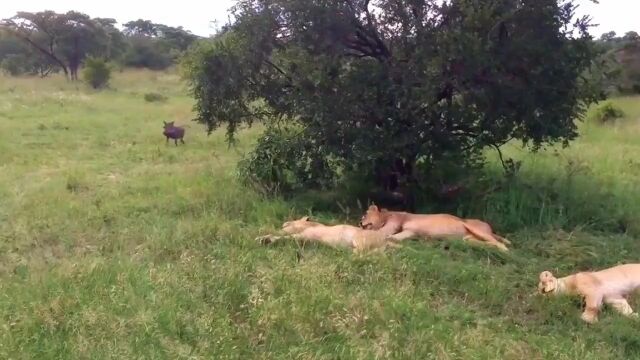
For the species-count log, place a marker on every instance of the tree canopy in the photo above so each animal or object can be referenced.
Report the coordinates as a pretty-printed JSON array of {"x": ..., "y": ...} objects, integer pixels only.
[{"x": 392, "y": 88}]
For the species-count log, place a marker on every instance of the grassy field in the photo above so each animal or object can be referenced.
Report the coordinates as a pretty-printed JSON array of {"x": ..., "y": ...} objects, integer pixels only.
[{"x": 115, "y": 245}]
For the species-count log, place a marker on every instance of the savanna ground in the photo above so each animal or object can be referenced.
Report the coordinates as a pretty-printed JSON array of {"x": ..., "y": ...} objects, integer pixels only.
[{"x": 115, "y": 245}]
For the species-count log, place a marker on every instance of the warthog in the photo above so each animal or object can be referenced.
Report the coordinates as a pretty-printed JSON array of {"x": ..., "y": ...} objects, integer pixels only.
[{"x": 173, "y": 132}]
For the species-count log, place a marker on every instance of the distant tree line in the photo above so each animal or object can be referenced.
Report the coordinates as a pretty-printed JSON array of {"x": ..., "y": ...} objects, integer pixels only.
[
  {"x": 621, "y": 58},
  {"x": 47, "y": 42}
]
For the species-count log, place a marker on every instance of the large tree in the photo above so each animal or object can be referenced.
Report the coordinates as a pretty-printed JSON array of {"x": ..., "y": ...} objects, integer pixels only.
[
  {"x": 393, "y": 88},
  {"x": 65, "y": 39}
]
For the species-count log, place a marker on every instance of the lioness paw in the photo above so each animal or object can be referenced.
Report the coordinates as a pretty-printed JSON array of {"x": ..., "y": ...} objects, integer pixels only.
[{"x": 589, "y": 318}]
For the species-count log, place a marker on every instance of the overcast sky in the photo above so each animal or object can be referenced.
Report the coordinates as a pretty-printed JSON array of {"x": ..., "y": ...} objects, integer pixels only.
[{"x": 195, "y": 15}]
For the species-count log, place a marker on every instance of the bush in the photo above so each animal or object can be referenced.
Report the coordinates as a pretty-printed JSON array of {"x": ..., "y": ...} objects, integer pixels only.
[
  {"x": 96, "y": 73},
  {"x": 154, "y": 97},
  {"x": 606, "y": 112},
  {"x": 281, "y": 162}
]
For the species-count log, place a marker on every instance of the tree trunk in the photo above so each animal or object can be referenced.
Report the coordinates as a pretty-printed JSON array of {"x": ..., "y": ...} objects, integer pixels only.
[
  {"x": 396, "y": 180},
  {"x": 74, "y": 60}
]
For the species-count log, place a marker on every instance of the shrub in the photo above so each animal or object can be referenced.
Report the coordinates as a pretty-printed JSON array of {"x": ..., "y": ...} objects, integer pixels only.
[
  {"x": 154, "y": 97},
  {"x": 281, "y": 162},
  {"x": 96, "y": 73},
  {"x": 606, "y": 112}
]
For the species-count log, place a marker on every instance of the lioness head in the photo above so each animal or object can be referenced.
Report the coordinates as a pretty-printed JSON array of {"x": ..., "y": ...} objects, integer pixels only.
[
  {"x": 373, "y": 219},
  {"x": 548, "y": 283},
  {"x": 296, "y": 226}
]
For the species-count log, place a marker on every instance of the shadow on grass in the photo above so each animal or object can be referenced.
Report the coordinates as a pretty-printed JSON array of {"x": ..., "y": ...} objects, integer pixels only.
[{"x": 532, "y": 200}]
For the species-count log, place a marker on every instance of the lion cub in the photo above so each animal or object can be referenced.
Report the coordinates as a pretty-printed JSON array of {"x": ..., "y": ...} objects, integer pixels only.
[
  {"x": 336, "y": 236},
  {"x": 610, "y": 286}
]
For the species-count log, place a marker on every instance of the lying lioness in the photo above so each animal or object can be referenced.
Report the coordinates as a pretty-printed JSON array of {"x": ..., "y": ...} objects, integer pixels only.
[
  {"x": 337, "y": 236},
  {"x": 403, "y": 225},
  {"x": 610, "y": 286}
]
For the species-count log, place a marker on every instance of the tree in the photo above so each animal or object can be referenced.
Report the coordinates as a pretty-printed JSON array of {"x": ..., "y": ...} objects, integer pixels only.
[
  {"x": 140, "y": 27},
  {"x": 155, "y": 46},
  {"x": 80, "y": 37},
  {"x": 608, "y": 36},
  {"x": 146, "y": 52},
  {"x": 395, "y": 89},
  {"x": 18, "y": 58},
  {"x": 631, "y": 36},
  {"x": 116, "y": 44},
  {"x": 176, "y": 38},
  {"x": 618, "y": 69},
  {"x": 65, "y": 39}
]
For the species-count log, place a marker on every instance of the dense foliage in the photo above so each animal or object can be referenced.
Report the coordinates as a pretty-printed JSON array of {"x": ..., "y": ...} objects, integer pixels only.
[{"x": 392, "y": 90}]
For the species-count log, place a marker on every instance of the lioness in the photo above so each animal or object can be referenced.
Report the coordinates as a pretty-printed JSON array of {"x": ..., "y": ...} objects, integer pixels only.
[
  {"x": 336, "y": 236},
  {"x": 403, "y": 225},
  {"x": 610, "y": 286}
]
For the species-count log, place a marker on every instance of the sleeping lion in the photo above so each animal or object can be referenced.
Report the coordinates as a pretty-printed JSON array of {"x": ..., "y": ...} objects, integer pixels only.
[
  {"x": 336, "y": 236},
  {"x": 610, "y": 286}
]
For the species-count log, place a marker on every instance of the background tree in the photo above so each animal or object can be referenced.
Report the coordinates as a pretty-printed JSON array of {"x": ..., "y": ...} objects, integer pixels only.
[
  {"x": 80, "y": 37},
  {"x": 116, "y": 43},
  {"x": 155, "y": 46},
  {"x": 631, "y": 36},
  {"x": 608, "y": 36},
  {"x": 394, "y": 90},
  {"x": 620, "y": 61},
  {"x": 140, "y": 27},
  {"x": 65, "y": 39},
  {"x": 46, "y": 41}
]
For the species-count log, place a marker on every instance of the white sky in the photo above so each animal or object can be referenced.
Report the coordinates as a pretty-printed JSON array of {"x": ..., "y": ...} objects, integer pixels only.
[{"x": 195, "y": 15}]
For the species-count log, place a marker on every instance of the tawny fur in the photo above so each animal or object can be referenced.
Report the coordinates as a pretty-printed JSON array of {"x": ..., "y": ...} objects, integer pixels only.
[
  {"x": 336, "y": 236},
  {"x": 403, "y": 225},
  {"x": 610, "y": 286}
]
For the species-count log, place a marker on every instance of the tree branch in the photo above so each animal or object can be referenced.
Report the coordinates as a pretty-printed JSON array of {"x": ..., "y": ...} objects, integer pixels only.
[
  {"x": 497, "y": 147},
  {"x": 40, "y": 49},
  {"x": 278, "y": 69},
  {"x": 368, "y": 35}
]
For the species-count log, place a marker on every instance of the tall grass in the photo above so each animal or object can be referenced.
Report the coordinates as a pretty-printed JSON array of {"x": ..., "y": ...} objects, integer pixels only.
[{"x": 114, "y": 245}]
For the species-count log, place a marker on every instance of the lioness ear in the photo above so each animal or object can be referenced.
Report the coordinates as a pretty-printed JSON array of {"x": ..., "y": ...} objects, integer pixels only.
[
  {"x": 373, "y": 208},
  {"x": 305, "y": 218}
]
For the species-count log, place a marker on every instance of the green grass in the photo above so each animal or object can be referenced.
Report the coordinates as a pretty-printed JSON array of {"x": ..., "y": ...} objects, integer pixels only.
[{"x": 115, "y": 245}]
